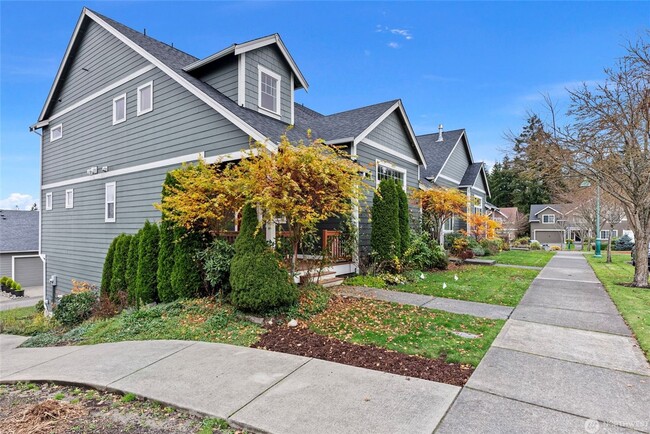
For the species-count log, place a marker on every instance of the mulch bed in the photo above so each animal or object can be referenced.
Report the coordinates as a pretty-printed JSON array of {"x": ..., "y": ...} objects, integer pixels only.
[{"x": 303, "y": 342}]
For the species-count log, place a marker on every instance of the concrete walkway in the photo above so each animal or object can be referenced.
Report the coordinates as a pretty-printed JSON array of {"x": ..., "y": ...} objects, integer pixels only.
[
  {"x": 523, "y": 267},
  {"x": 564, "y": 362},
  {"x": 258, "y": 390},
  {"x": 473, "y": 308}
]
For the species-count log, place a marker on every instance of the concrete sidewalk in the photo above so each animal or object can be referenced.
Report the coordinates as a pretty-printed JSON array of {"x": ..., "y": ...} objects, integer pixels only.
[
  {"x": 564, "y": 362},
  {"x": 258, "y": 390},
  {"x": 483, "y": 310}
]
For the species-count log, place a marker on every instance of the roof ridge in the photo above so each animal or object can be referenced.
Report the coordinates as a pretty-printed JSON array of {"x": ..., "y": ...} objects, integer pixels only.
[
  {"x": 363, "y": 107},
  {"x": 443, "y": 132}
]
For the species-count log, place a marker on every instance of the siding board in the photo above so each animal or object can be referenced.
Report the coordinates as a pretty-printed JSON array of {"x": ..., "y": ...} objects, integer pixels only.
[{"x": 270, "y": 58}]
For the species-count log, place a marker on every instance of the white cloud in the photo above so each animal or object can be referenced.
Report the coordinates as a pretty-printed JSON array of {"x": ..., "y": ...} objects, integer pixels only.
[
  {"x": 393, "y": 45},
  {"x": 402, "y": 32},
  {"x": 20, "y": 200}
]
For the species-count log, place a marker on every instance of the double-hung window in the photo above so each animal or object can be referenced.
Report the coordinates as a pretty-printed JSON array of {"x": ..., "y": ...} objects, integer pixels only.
[
  {"x": 548, "y": 219},
  {"x": 390, "y": 171},
  {"x": 56, "y": 132},
  {"x": 48, "y": 201},
  {"x": 269, "y": 90},
  {"x": 69, "y": 198},
  {"x": 109, "y": 207},
  {"x": 478, "y": 205},
  {"x": 145, "y": 98},
  {"x": 449, "y": 225},
  {"x": 604, "y": 235},
  {"x": 119, "y": 109}
]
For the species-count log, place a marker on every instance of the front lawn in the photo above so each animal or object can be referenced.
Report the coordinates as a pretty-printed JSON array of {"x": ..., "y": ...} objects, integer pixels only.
[
  {"x": 633, "y": 303},
  {"x": 25, "y": 321},
  {"x": 531, "y": 258},
  {"x": 484, "y": 284},
  {"x": 408, "y": 329}
]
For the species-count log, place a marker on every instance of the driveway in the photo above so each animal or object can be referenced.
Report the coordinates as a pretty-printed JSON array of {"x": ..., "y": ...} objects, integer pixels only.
[{"x": 32, "y": 295}]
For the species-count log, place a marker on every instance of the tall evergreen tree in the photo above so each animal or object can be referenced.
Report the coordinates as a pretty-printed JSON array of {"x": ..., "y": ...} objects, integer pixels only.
[
  {"x": 404, "y": 229},
  {"x": 385, "y": 228},
  {"x": 166, "y": 249},
  {"x": 107, "y": 273},
  {"x": 186, "y": 279},
  {"x": 120, "y": 259},
  {"x": 146, "y": 285},
  {"x": 132, "y": 267}
]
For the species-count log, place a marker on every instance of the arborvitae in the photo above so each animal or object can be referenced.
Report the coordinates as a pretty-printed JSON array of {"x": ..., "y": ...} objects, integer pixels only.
[
  {"x": 258, "y": 282},
  {"x": 166, "y": 250},
  {"x": 107, "y": 273},
  {"x": 120, "y": 258},
  {"x": 385, "y": 227},
  {"x": 132, "y": 267},
  {"x": 404, "y": 229},
  {"x": 146, "y": 288},
  {"x": 186, "y": 278}
]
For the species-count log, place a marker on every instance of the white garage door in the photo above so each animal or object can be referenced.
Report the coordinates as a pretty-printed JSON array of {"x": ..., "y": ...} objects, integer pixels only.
[{"x": 28, "y": 271}]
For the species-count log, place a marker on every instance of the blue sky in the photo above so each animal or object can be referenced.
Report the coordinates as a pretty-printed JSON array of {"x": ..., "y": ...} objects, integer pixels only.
[{"x": 478, "y": 66}]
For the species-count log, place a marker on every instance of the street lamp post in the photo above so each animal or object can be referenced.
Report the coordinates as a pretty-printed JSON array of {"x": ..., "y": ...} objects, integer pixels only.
[{"x": 586, "y": 183}]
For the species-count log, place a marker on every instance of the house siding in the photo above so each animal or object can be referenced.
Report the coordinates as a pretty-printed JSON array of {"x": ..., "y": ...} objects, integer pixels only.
[
  {"x": 222, "y": 76},
  {"x": 96, "y": 54},
  {"x": 270, "y": 58},
  {"x": 457, "y": 163},
  {"x": 391, "y": 133}
]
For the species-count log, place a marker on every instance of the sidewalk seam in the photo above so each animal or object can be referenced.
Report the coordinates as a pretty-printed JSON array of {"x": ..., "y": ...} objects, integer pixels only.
[{"x": 42, "y": 363}]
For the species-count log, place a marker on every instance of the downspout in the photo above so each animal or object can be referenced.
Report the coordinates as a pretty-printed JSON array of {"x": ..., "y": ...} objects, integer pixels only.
[{"x": 40, "y": 226}]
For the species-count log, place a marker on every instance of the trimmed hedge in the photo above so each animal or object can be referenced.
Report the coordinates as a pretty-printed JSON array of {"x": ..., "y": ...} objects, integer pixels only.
[
  {"x": 186, "y": 279},
  {"x": 404, "y": 229},
  {"x": 120, "y": 259},
  {"x": 107, "y": 273},
  {"x": 132, "y": 267},
  {"x": 146, "y": 280},
  {"x": 385, "y": 228},
  {"x": 166, "y": 292}
]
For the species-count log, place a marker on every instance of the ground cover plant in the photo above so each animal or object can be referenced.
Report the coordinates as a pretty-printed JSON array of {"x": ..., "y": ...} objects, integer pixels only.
[
  {"x": 632, "y": 302},
  {"x": 531, "y": 258},
  {"x": 49, "y": 408},
  {"x": 494, "y": 285},
  {"x": 26, "y": 321}
]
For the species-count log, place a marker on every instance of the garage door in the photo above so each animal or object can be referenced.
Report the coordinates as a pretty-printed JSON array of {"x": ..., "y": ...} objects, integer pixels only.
[
  {"x": 28, "y": 271},
  {"x": 548, "y": 237}
]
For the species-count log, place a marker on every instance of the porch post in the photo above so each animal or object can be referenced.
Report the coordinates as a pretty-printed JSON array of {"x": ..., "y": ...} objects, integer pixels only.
[{"x": 355, "y": 222}]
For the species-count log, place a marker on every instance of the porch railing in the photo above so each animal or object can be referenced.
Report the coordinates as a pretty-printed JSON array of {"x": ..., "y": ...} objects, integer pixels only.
[{"x": 229, "y": 236}]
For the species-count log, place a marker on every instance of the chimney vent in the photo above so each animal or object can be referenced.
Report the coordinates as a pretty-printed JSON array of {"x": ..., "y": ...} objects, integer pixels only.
[{"x": 440, "y": 139}]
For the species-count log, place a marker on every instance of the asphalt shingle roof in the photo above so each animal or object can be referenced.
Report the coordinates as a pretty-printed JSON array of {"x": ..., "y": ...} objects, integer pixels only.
[
  {"x": 536, "y": 208},
  {"x": 473, "y": 170},
  {"x": 436, "y": 153},
  {"x": 18, "y": 231}
]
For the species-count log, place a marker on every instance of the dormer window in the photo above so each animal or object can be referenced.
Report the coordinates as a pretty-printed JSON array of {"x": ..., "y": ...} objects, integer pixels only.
[{"x": 269, "y": 90}]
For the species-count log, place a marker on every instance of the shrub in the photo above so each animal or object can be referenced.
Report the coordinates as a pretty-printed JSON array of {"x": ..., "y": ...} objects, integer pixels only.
[
  {"x": 107, "y": 272},
  {"x": 535, "y": 245},
  {"x": 385, "y": 228},
  {"x": 146, "y": 285},
  {"x": 120, "y": 259},
  {"x": 450, "y": 238},
  {"x": 466, "y": 254},
  {"x": 39, "y": 306},
  {"x": 393, "y": 279},
  {"x": 624, "y": 243},
  {"x": 186, "y": 279},
  {"x": 216, "y": 264},
  {"x": 165, "y": 262},
  {"x": 478, "y": 251},
  {"x": 257, "y": 280},
  {"x": 403, "y": 215},
  {"x": 505, "y": 246},
  {"x": 491, "y": 247},
  {"x": 555, "y": 248},
  {"x": 424, "y": 253},
  {"x": 74, "y": 309},
  {"x": 460, "y": 245},
  {"x": 132, "y": 267},
  {"x": 522, "y": 241},
  {"x": 368, "y": 281}
]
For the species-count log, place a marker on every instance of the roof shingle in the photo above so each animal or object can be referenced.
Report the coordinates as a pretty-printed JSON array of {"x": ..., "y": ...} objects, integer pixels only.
[
  {"x": 435, "y": 152},
  {"x": 18, "y": 231}
]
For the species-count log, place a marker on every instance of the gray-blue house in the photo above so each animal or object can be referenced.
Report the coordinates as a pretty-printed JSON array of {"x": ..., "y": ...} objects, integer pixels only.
[{"x": 125, "y": 108}]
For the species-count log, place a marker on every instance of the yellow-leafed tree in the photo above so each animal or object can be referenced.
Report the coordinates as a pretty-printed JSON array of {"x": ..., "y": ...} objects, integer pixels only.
[{"x": 439, "y": 205}]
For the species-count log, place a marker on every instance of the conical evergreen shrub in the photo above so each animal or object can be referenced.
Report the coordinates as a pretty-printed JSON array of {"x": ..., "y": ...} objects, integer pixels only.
[
  {"x": 166, "y": 263},
  {"x": 132, "y": 267},
  {"x": 120, "y": 259},
  {"x": 258, "y": 282},
  {"x": 404, "y": 229},
  {"x": 186, "y": 278},
  {"x": 146, "y": 280},
  {"x": 107, "y": 272},
  {"x": 385, "y": 228}
]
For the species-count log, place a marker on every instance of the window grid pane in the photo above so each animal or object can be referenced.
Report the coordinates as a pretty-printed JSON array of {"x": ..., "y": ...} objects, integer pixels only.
[
  {"x": 388, "y": 173},
  {"x": 268, "y": 90}
]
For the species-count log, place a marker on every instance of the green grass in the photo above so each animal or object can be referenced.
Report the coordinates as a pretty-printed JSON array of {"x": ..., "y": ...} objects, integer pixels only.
[
  {"x": 24, "y": 321},
  {"x": 494, "y": 285},
  {"x": 368, "y": 281},
  {"x": 409, "y": 329},
  {"x": 633, "y": 303},
  {"x": 531, "y": 258},
  {"x": 196, "y": 320}
]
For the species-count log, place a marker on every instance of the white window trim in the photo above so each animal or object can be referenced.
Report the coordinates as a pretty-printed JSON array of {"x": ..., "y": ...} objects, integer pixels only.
[
  {"x": 451, "y": 221},
  {"x": 106, "y": 187},
  {"x": 548, "y": 222},
  {"x": 480, "y": 202},
  {"x": 69, "y": 204},
  {"x": 56, "y": 127},
  {"x": 392, "y": 166},
  {"x": 115, "y": 100},
  {"x": 139, "y": 92},
  {"x": 606, "y": 232},
  {"x": 260, "y": 70},
  {"x": 614, "y": 233},
  {"x": 48, "y": 201}
]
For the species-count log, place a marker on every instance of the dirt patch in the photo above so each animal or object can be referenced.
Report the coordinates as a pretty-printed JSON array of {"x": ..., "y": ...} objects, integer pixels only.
[{"x": 303, "y": 342}]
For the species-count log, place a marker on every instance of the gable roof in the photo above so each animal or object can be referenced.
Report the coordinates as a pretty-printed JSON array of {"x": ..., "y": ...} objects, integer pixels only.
[
  {"x": 18, "y": 231},
  {"x": 472, "y": 172},
  {"x": 437, "y": 153},
  {"x": 509, "y": 213},
  {"x": 535, "y": 209},
  {"x": 238, "y": 49}
]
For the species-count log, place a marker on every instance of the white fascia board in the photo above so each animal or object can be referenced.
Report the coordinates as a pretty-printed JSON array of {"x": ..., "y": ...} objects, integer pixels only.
[
  {"x": 340, "y": 141},
  {"x": 447, "y": 178},
  {"x": 548, "y": 207},
  {"x": 375, "y": 124},
  {"x": 241, "y": 80},
  {"x": 412, "y": 134},
  {"x": 64, "y": 61},
  {"x": 485, "y": 179},
  {"x": 211, "y": 58},
  {"x": 256, "y": 135}
]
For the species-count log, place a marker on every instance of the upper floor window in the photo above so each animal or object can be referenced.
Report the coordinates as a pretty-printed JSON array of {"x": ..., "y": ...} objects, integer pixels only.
[
  {"x": 48, "y": 201},
  {"x": 119, "y": 109},
  {"x": 109, "y": 210},
  {"x": 604, "y": 235},
  {"x": 390, "y": 171},
  {"x": 145, "y": 98},
  {"x": 56, "y": 132},
  {"x": 449, "y": 225},
  {"x": 478, "y": 204},
  {"x": 269, "y": 90},
  {"x": 548, "y": 218},
  {"x": 69, "y": 198}
]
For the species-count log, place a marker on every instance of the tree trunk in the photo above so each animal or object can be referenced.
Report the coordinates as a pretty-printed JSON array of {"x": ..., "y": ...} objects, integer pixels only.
[
  {"x": 641, "y": 260},
  {"x": 609, "y": 248}
]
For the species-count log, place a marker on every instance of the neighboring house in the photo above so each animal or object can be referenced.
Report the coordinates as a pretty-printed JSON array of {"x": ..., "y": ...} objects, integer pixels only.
[
  {"x": 19, "y": 247},
  {"x": 509, "y": 219},
  {"x": 450, "y": 164},
  {"x": 125, "y": 108},
  {"x": 555, "y": 223}
]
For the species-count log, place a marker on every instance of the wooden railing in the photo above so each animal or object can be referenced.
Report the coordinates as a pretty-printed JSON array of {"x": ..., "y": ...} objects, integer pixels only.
[
  {"x": 229, "y": 236},
  {"x": 333, "y": 244}
]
